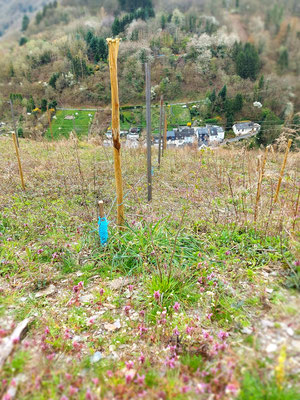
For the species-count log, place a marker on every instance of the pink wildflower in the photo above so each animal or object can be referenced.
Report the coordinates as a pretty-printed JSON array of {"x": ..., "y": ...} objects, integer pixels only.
[
  {"x": 129, "y": 364},
  {"x": 209, "y": 316},
  {"x": 156, "y": 295},
  {"x": 189, "y": 329},
  {"x": 142, "y": 358},
  {"x": 40, "y": 251},
  {"x": 109, "y": 373},
  {"x": 46, "y": 331},
  {"x": 227, "y": 253},
  {"x": 95, "y": 381},
  {"x": 101, "y": 291},
  {"x": 142, "y": 329},
  {"x": 128, "y": 378},
  {"x": 16, "y": 340},
  {"x": 63, "y": 397},
  {"x": 50, "y": 356},
  {"x": 88, "y": 395},
  {"x": 127, "y": 309},
  {"x": 176, "y": 331},
  {"x": 223, "y": 335},
  {"x": 68, "y": 376},
  {"x": 170, "y": 362},
  {"x": 140, "y": 380},
  {"x": 176, "y": 306},
  {"x": 130, "y": 287},
  {"x": 73, "y": 390},
  {"x": 185, "y": 389}
]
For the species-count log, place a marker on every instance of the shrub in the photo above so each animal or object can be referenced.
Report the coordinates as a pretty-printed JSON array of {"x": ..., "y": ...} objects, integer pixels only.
[{"x": 23, "y": 40}]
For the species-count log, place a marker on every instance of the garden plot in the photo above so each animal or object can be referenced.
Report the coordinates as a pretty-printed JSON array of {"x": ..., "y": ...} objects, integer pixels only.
[{"x": 66, "y": 121}]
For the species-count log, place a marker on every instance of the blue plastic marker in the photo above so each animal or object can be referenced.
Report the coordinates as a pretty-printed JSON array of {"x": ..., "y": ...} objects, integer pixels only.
[{"x": 102, "y": 225}]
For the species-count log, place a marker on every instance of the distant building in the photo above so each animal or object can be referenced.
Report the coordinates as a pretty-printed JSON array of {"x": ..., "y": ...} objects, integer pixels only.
[
  {"x": 244, "y": 128},
  {"x": 210, "y": 134},
  {"x": 184, "y": 136}
]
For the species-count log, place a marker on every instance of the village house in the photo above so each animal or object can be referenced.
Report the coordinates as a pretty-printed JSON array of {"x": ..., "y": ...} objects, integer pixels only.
[
  {"x": 244, "y": 128},
  {"x": 210, "y": 134}
]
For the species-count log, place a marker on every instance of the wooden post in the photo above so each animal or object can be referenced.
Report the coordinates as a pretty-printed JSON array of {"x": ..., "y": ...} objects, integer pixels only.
[
  {"x": 13, "y": 120},
  {"x": 296, "y": 209},
  {"x": 49, "y": 120},
  {"x": 282, "y": 170},
  {"x": 19, "y": 161},
  {"x": 160, "y": 128},
  {"x": 113, "y": 46},
  {"x": 148, "y": 120},
  {"x": 101, "y": 209},
  {"x": 165, "y": 131},
  {"x": 260, "y": 178}
]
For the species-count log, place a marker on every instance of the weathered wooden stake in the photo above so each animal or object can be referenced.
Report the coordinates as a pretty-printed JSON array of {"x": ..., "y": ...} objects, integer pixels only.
[
  {"x": 160, "y": 128},
  {"x": 260, "y": 178},
  {"x": 282, "y": 170},
  {"x": 50, "y": 122},
  {"x": 113, "y": 46},
  {"x": 19, "y": 161},
  {"x": 13, "y": 120},
  {"x": 296, "y": 209},
  {"x": 101, "y": 209},
  {"x": 148, "y": 120},
  {"x": 165, "y": 131}
]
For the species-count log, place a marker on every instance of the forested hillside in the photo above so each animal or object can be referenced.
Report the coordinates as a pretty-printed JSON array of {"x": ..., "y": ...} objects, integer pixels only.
[{"x": 226, "y": 53}]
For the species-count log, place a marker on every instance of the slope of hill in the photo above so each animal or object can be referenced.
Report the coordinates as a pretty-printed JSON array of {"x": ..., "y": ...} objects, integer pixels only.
[
  {"x": 12, "y": 12},
  {"x": 222, "y": 53}
]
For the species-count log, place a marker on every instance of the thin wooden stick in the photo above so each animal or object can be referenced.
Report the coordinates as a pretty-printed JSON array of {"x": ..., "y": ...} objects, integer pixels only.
[
  {"x": 259, "y": 183},
  {"x": 148, "y": 119},
  {"x": 296, "y": 209},
  {"x": 101, "y": 208},
  {"x": 165, "y": 132},
  {"x": 19, "y": 160},
  {"x": 282, "y": 170},
  {"x": 14, "y": 121},
  {"x": 160, "y": 129},
  {"x": 49, "y": 120},
  {"x": 113, "y": 46}
]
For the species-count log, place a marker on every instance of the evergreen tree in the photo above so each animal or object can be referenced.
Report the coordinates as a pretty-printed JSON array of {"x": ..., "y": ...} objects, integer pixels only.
[
  {"x": 223, "y": 93},
  {"x": 53, "y": 79},
  {"x": 30, "y": 104},
  {"x": 229, "y": 121},
  {"x": 283, "y": 60},
  {"x": 270, "y": 128},
  {"x": 261, "y": 82},
  {"x": 212, "y": 96},
  {"x": 23, "y": 40},
  {"x": 248, "y": 62},
  {"x": 38, "y": 18},
  {"x": 25, "y": 23},
  {"x": 238, "y": 103},
  {"x": 163, "y": 21},
  {"x": 116, "y": 27},
  {"x": 44, "y": 105},
  {"x": 102, "y": 49}
]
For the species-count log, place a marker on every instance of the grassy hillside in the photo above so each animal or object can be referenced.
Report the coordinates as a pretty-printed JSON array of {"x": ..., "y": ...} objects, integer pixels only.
[{"x": 192, "y": 299}]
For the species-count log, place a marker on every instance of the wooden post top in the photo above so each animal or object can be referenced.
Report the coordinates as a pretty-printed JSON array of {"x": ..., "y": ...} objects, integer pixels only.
[{"x": 101, "y": 208}]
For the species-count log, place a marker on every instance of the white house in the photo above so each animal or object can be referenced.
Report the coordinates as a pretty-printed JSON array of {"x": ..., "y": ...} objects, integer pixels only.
[{"x": 243, "y": 128}]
